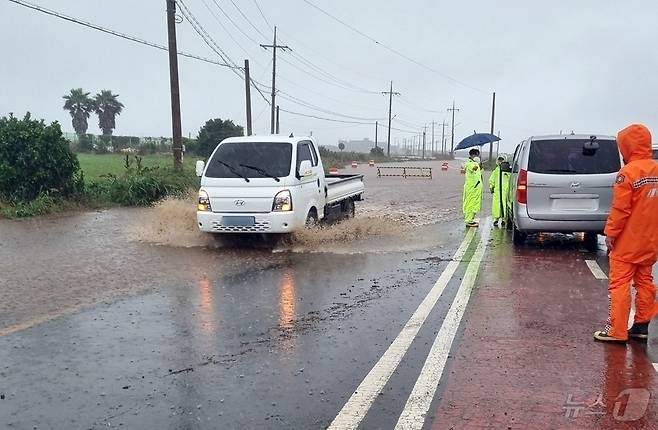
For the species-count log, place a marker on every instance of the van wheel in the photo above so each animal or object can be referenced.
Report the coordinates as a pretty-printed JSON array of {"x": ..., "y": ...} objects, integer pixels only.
[
  {"x": 311, "y": 219},
  {"x": 591, "y": 241},
  {"x": 518, "y": 237}
]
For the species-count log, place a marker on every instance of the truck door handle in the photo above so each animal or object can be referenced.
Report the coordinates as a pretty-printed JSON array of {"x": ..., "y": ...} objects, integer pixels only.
[{"x": 318, "y": 182}]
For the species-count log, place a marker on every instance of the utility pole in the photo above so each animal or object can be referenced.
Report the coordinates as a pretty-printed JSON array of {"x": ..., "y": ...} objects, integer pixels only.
[
  {"x": 433, "y": 122},
  {"x": 493, "y": 113},
  {"x": 274, "y": 47},
  {"x": 390, "y": 107},
  {"x": 247, "y": 81},
  {"x": 443, "y": 137},
  {"x": 376, "y": 126},
  {"x": 277, "y": 119},
  {"x": 452, "y": 133},
  {"x": 498, "y": 147},
  {"x": 176, "y": 128},
  {"x": 424, "y": 134}
]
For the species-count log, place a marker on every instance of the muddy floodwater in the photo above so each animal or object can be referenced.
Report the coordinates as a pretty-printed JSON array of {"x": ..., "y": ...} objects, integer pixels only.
[{"x": 52, "y": 266}]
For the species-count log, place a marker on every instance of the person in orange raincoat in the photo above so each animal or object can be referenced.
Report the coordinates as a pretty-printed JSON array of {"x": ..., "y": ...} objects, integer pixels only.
[{"x": 632, "y": 238}]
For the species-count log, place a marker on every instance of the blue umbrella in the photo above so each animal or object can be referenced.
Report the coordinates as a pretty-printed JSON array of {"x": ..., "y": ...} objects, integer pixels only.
[{"x": 477, "y": 139}]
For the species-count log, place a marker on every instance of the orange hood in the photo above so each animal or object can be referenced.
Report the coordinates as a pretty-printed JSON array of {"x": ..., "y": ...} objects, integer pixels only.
[{"x": 635, "y": 143}]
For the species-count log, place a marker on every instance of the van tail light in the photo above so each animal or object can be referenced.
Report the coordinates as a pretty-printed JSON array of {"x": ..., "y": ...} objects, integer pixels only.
[{"x": 522, "y": 187}]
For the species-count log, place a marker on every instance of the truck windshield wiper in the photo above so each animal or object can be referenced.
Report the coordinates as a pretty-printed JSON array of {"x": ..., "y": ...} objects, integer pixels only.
[
  {"x": 261, "y": 171},
  {"x": 232, "y": 169}
]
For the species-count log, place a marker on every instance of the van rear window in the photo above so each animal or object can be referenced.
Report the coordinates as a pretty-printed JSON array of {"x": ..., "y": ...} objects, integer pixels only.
[{"x": 565, "y": 157}]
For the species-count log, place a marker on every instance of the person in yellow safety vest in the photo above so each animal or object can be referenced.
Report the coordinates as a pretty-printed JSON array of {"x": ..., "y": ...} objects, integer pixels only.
[
  {"x": 473, "y": 188},
  {"x": 499, "y": 185}
]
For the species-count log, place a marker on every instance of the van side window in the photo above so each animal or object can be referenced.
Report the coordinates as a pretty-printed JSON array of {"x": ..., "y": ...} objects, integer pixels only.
[{"x": 303, "y": 153}]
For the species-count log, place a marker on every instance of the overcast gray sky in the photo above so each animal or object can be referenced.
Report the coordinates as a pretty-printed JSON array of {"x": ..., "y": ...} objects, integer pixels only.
[{"x": 587, "y": 65}]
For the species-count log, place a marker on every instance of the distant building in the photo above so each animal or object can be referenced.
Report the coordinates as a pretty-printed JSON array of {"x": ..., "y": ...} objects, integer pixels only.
[{"x": 363, "y": 146}]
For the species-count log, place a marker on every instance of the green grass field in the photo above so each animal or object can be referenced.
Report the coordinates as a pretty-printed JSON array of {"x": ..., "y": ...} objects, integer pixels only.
[{"x": 96, "y": 165}]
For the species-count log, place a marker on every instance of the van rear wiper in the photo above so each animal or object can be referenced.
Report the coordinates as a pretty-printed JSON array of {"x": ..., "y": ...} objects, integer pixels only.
[
  {"x": 232, "y": 169},
  {"x": 560, "y": 171},
  {"x": 261, "y": 171}
]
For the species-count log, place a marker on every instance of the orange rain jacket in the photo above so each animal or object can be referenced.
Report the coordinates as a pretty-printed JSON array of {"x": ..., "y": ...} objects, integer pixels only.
[{"x": 633, "y": 219}]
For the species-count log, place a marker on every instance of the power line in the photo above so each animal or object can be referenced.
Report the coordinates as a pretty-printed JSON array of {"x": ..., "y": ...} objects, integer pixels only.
[
  {"x": 229, "y": 33},
  {"x": 320, "y": 78},
  {"x": 301, "y": 59},
  {"x": 248, "y": 20},
  {"x": 116, "y": 33},
  {"x": 393, "y": 50},
  {"x": 239, "y": 28},
  {"x": 198, "y": 28},
  {"x": 311, "y": 106},
  {"x": 262, "y": 14}
]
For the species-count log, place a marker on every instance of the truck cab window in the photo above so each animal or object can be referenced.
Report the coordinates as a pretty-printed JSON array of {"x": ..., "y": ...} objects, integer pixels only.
[
  {"x": 311, "y": 150},
  {"x": 303, "y": 153}
]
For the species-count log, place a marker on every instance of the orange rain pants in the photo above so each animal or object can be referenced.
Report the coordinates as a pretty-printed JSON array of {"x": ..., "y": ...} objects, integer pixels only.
[{"x": 633, "y": 228}]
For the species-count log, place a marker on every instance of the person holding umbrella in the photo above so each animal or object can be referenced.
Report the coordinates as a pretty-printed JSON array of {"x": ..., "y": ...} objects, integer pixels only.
[
  {"x": 499, "y": 185},
  {"x": 473, "y": 186}
]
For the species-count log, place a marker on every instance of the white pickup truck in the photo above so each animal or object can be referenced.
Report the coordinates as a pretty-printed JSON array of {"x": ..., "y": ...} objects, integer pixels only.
[{"x": 270, "y": 184}]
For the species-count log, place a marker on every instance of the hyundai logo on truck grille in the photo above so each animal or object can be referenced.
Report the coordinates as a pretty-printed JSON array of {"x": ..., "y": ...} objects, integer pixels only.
[
  {"x": 575, "y": 185},
  {"x": 239, "y": 202}
]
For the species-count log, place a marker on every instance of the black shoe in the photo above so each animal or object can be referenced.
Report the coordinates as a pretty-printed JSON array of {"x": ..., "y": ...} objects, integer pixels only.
[
  {"x": 639, "y": 331},
  {"x": 495, "y": 223},
  {"x": 603, "y": 336}
]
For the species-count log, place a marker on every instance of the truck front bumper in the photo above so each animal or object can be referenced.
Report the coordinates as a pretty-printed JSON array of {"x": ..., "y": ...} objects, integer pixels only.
[{"x": 273, "y": 222}]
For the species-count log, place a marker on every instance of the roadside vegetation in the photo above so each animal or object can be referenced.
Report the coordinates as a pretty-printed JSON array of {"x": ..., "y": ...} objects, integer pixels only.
[
  {"x": 40, "y": 174},
  {"x": 341, "y": 159}
]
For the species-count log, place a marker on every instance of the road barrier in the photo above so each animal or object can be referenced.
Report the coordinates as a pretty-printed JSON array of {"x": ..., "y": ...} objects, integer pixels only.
[
  {"x": 371, "y": 163},
  {"x": 333, "y": 171},
  {"x": 355, "y": 164},
  {"x": 444, "y": 167},
  {"x": 405, "y": 172}
]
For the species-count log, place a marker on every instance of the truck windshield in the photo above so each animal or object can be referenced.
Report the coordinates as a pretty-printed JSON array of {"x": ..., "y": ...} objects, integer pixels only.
[
  {"x": 271, "y": 157},
  {"x": 565, "y": 157}
]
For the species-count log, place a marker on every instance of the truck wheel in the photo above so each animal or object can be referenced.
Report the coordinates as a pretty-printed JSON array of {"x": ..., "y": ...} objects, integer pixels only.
[
  {"x": 349, "y": 209},
  {"x": 311, "y": 219},
  {"x": 518, "y": 237}
]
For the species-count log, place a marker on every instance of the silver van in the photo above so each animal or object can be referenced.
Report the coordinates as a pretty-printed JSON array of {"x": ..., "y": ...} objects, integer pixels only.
[{"x": 562, "y": 184}]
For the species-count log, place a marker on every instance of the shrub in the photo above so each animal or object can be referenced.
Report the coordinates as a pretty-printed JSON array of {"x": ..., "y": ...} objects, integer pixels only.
[
  {"x": 35, "y": 159},
  {"x": 141, "y": 186}
]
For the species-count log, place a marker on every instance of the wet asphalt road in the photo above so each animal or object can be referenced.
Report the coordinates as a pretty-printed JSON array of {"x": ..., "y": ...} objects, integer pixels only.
[
  {"x": 279, "y": 341},
  {"x": 98, "y": 330}
]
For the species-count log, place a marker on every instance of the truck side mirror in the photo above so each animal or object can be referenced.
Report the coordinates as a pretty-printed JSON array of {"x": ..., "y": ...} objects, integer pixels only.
[
  {"x": 199, "y": 167},
  {"x": 305, "y": 169}
]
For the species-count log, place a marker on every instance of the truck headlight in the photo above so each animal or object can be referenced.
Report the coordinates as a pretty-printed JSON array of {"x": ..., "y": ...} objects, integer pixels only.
[
  {"x": 203, "y": 205},
  {"x": 282, "y": 202}
]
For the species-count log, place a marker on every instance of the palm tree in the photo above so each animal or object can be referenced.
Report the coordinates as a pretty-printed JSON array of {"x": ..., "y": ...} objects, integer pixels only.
[
  {"x": 80, "y": 106},
  {"x": 107, "y": 107}
]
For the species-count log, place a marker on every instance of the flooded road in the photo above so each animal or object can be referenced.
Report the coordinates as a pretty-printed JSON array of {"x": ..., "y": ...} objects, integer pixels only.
[{"x": 130, "y": 318}]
